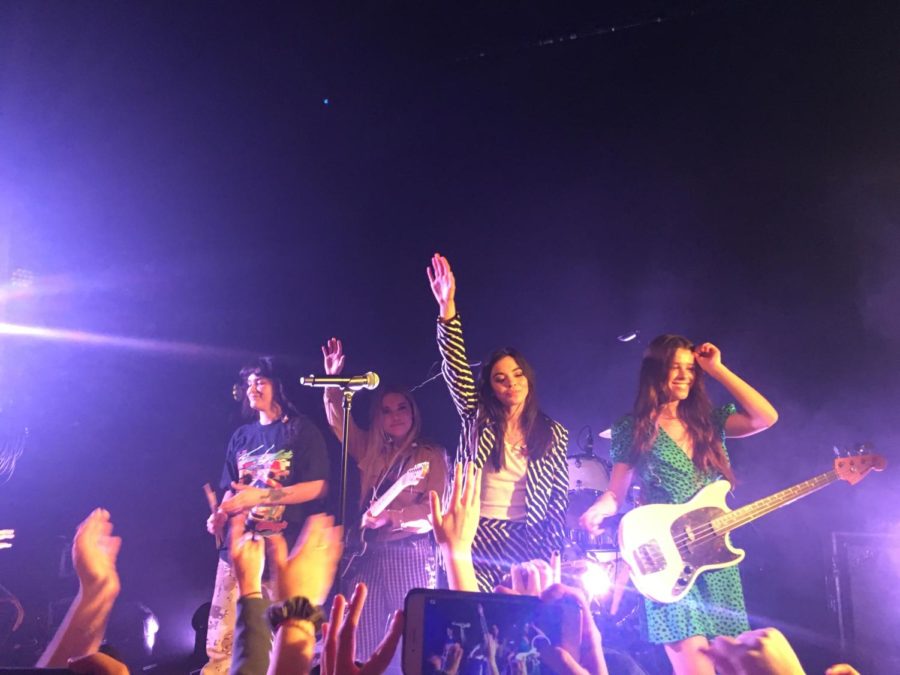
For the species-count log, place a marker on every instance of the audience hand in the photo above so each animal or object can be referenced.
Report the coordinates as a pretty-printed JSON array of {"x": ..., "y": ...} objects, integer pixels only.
[
  {"x": 309, "y": 570},
  {"x": 765, "y": 651},
  {"x": 842, "y": 669},
  {"x": 94, "y": 553},
  {"x": 247, "y": 556},
  {"x": 590, "y": 660},
  {"x": 339, "y": 652},
  {"x": 97, "y": 663},
  {"x": 533, "y": 577},
  {"x": 455, "y": 527}
]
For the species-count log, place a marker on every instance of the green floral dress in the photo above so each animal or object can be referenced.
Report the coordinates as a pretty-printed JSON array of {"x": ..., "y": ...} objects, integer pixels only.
[{"x": 715, "y": 605}]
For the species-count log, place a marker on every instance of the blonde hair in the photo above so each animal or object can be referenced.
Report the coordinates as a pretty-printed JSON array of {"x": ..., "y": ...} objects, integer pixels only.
[{"x": 376, "y": 440}]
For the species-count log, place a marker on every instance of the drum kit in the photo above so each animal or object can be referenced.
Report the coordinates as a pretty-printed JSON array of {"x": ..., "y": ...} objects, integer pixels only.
[{"x": 591, "y": 561}]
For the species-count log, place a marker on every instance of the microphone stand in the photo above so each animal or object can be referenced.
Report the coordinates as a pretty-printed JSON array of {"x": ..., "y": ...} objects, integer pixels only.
[{"x": 346, "y": 404}]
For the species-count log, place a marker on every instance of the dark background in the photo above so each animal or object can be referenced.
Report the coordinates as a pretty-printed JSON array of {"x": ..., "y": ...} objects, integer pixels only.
[{"x": 221, "y": 180}]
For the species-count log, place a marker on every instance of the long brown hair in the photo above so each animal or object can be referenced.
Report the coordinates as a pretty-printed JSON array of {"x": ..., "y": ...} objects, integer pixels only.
[
  {"x": 536, "y": 427},
  {"x": 695, "y": 411}
]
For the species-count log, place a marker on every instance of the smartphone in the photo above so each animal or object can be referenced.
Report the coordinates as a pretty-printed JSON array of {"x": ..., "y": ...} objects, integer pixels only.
[{"x": 446, "y": 629}]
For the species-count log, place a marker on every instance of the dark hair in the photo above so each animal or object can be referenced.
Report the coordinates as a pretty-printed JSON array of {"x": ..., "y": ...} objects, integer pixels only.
[
  {"x": 695, "y": 411},
  {"x": 536, "y": 426},
  {"x": 268, "y": 367}
]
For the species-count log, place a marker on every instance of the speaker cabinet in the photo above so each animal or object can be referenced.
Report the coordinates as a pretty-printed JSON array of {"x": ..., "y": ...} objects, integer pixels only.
[{"x": 866, "y": 600}]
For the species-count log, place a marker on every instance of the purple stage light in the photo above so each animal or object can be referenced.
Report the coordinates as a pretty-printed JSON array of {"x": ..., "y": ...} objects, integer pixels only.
[{"x": 121, "y": 342}]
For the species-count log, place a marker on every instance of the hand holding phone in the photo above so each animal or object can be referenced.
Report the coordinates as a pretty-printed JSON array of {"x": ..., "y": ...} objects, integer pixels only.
[{"x": 453, "y": 628}]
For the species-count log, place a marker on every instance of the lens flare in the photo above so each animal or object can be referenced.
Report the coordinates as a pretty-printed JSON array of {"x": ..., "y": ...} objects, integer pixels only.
[
  {"x": 120, "y": 342},
  {"x": 597, "y": 580}
]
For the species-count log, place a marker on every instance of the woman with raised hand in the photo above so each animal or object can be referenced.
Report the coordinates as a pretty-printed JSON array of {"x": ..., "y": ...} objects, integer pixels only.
[
  {"x": 673, "y": 442},
  {"x": 400, "y": 553},
  {"x": 521, "y": 451}
]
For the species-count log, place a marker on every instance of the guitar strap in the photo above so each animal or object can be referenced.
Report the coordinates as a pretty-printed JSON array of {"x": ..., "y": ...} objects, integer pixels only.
[{"x": 394, "y": 466}]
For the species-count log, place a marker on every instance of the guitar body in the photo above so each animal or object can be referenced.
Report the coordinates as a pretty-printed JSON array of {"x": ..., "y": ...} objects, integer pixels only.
[
  {"x": 668, "y": 545},
  {"x": 355, "y": 543}
]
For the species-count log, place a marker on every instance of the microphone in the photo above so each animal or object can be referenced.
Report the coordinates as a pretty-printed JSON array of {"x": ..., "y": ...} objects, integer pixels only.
[{"x": 368, "y": 381}]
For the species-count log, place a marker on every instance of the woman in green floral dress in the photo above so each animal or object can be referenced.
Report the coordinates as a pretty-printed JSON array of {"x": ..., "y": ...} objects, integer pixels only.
[{"x": 673, "y": 444}]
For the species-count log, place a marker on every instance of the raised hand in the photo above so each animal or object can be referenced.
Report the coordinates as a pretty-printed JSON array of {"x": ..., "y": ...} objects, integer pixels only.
[
  {"x": 533, "y": 577},
  {"x": 339, "y": 652},
  {"x": 94, "y": 553},
  {"x": 589, "y": 659},
  {"x": 333, "y": 356},
  {"x": 765, "y": 651},
  {"x": 247, "y": 556},
  {"x": 310, "y": 568},
  {"x": 443, "y": 285},
  {"x": 708, "y": 357},
  {"x": 455, "y": 527}
]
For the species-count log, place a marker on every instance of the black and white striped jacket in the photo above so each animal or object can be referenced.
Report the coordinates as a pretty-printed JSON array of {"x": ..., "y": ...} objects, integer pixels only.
[{"x": 547, "y": 478}]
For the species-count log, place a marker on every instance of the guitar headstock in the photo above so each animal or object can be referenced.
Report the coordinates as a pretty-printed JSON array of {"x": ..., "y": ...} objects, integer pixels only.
[
  {"x": 853, "y": 468},
  {"x": 416, "y": 473}
]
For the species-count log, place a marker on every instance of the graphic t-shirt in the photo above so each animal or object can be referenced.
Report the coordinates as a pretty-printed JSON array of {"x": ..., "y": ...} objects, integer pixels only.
[{"x": 272, "y": 456}]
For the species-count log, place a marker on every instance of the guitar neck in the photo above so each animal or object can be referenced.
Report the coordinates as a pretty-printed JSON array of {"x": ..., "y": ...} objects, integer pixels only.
[
  {"x": 734, "y": 519},
  {"x": 384, "y": 501}
]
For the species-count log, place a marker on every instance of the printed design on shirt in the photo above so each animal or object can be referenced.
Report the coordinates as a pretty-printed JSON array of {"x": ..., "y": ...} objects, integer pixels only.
[{"x": 265, "y": 468}]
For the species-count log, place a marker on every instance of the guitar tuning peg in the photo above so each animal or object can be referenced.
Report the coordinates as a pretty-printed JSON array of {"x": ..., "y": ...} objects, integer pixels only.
[
  {"x": 837, "y": 451},
  {"x": 864, "y": 448}
]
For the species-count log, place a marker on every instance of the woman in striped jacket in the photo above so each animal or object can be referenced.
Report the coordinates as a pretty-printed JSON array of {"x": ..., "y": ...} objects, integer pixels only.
[{"x": 521, "y": 450}]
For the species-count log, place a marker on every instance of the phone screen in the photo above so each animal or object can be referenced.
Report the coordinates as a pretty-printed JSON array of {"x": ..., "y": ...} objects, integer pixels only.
[{"x": 462, "y": 632}]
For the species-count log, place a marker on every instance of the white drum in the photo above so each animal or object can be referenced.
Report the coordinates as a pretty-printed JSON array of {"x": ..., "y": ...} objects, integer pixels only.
[
  {"x": 588, "y": 478},
  {"x": 587, "y": 473}
]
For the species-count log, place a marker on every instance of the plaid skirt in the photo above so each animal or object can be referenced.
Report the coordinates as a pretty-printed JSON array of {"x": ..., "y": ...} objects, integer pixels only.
[{"x": 389, "y": 570}]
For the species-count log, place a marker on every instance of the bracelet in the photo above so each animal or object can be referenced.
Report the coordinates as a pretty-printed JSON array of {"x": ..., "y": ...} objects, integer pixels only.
[
  {"x": 295, "y": 608},
  {"x": 303, "y": 625}
]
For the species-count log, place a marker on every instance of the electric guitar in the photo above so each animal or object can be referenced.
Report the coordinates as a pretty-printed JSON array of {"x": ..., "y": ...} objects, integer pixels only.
[
  {"x": 356, "y": 543},
  {"x": 668, "y": 545}
]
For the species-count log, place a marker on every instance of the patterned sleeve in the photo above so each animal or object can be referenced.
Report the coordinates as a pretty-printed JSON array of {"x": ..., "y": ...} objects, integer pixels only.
[
  {"x": 622, "y": 448},
  {"x": 721, "y": 415},
  {"x": 455, "y": 367},
  {"x": 558, "y": 503}
]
